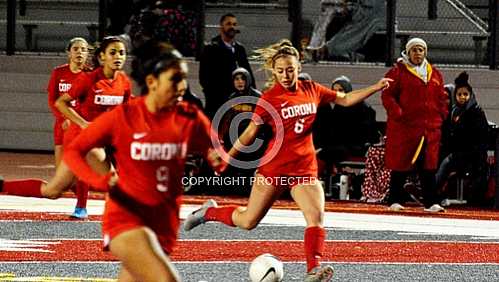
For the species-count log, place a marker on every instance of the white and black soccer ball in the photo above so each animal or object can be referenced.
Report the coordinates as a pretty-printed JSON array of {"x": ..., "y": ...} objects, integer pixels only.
[{"x": 266, "y": 268}]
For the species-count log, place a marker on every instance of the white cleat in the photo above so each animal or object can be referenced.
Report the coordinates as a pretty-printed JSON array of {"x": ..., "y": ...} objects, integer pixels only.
[
  {"x": 435, "y": 208},
  {"x": 396, "y": 207},
  {"x": 197, "y": 217}
]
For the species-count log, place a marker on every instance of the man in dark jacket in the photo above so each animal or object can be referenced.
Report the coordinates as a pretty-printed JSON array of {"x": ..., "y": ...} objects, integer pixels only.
[{"x": 219, "y": 59}]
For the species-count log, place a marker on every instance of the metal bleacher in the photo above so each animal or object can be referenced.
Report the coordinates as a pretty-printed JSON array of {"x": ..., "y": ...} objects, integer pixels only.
[
  {"x": 47, "y": 25},
  {"x": 455, "y": 36}
]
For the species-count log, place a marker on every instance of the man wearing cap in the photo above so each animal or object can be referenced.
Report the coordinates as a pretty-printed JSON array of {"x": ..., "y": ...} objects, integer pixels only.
[{"x": 416, "y": 105}]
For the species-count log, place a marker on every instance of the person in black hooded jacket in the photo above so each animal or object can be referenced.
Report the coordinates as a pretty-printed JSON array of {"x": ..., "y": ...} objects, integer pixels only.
[
  {"x": 465, "y": 140},
  {"x": 352, "y": 129},
  {"x": 219, "y": 59},
  {"x": 236, "y": 118}
]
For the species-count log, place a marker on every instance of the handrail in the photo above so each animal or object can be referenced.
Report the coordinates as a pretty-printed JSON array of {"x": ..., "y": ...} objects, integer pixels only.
[{"x": 469, "y": 15}]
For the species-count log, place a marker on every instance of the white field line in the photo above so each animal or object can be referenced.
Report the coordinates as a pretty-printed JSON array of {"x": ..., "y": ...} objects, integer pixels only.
[{"x": 355, "y": 221}]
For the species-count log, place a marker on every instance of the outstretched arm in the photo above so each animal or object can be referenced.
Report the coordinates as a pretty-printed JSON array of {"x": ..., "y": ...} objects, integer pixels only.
[{"x": 356, "y": 96}]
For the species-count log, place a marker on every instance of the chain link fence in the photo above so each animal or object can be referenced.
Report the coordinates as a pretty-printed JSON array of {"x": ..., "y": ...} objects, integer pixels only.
[{"x": 457, "y": 31}]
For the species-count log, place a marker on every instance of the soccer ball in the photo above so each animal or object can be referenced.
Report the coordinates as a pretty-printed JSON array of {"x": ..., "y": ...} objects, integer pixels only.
[{"x": 266, "y": 268}]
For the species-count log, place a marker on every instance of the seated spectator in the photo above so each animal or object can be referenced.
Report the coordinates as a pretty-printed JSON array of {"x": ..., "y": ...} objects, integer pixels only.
[
  {"x": 343, "y": 132},
  {"x": 354, "y": 23},
  {"x": 465, "y": 141},
  {"x": 175, "y": 22},
  {"x": 231, "y": 120},
  {"x": 242, "y": 83}
]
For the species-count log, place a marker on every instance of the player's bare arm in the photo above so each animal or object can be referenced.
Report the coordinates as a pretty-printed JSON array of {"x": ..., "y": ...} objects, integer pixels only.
[{"x": 356, "y": 96}]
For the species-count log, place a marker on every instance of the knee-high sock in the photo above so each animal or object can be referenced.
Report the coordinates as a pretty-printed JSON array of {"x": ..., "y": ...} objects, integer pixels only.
[
  {"x": 23, "y": 187},
  {"x": 223, "y": 214},
  {"x": 314, "y": 245},
  {"x": 81, "y": 194}
]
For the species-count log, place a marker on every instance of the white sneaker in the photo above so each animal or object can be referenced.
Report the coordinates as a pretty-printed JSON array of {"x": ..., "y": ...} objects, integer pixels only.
[
  {"x": 396, "y": 207},
  {"x": 445, "y": 203},
  {"x": 435, "y": 208},
  {"x": 320, "y": 274},
  {"x": 197, "y": 217}
]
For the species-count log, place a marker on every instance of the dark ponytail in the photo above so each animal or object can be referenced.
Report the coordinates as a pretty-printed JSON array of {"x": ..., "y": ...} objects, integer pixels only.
[{"x": 153, "y": 57}]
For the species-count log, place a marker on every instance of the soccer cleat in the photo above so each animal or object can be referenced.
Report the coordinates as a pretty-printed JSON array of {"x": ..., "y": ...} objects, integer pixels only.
[
  {"x": 445, "y": 203},
  {"x": 80, "y": 213},
  {"x": 320, "y": 274},
  {"x": 435, "y": 208},
  {"x": 396, "y": 207},
  {"x": 197, "y": 217}
]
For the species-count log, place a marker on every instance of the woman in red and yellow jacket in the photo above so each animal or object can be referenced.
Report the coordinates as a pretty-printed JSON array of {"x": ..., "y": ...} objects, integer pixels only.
[{"x": 416, "y": 105}]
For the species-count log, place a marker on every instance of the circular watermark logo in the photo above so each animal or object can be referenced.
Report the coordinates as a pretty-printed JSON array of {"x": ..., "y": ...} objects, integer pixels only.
[{"x": 233, "y": 131}]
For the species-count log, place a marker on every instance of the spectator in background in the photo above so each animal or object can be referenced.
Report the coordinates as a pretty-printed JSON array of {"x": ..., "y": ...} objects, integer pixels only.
[
  {"x": 237, "y": 118},
  {"x": 219, "y": 59},
  {"x": 416, "y": 105},
  {"x": 449, "y": 88},
  {"x": 354, "y": 127},
  {"x": 242, "y": 84},
  {"x": 465, "y": 140},
  {"x": 174, "y": 21},
  {"x": 119, "y": 13},
  {"x": 358, "y": 21}
]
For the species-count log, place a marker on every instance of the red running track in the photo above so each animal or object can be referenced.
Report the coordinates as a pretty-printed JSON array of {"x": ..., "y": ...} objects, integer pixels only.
[{"x": 336, "y": 251}]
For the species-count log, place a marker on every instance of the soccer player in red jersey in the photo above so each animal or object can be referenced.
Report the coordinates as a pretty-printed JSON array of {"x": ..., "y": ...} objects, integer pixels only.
[
  {"x": 61, "y": 80},
  {"x": 289, "y": 107},
  {"x": 151, "y": 137},
  {"x": 96, "y": 92}
]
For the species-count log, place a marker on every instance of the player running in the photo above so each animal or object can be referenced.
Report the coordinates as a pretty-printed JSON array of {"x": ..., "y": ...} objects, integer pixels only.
[
  {"x": 294, "y": 166},
  {"x": 95, "y": 92},
  {"x": 151, "y": 137}
]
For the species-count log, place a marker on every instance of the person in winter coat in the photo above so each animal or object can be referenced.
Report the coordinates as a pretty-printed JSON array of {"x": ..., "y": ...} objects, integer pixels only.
[
  {"x": 235, "y": 116},
  {"x": 242, "y": 83},
  {"x": 416, "y": 105},
  {"x": 464, "y": 139},
  {"x": 218, "y": 60},
  {"x": 348, "y": 138}
]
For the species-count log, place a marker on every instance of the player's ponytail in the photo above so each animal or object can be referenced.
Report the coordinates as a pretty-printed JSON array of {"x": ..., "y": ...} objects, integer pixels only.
[
  {"x": 153, "y": 57},
  {"x": 271, "y": 53}
]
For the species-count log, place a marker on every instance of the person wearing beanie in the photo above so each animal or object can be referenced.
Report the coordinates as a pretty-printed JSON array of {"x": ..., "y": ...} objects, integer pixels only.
[
  {"x": 416, "y": 105},
  {"x": 348, "y": 138},
  {"x": 464, "y": 141},
  {"x": 232, "y": 125}
]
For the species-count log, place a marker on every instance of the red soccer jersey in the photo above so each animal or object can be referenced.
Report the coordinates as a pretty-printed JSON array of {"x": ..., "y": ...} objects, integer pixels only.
[
  {"x": 149, "y": 149},
  {"x": 61, "y": 81},
  {"x": 296, "y": 112},
  {"x": 97, "y": 94}
]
